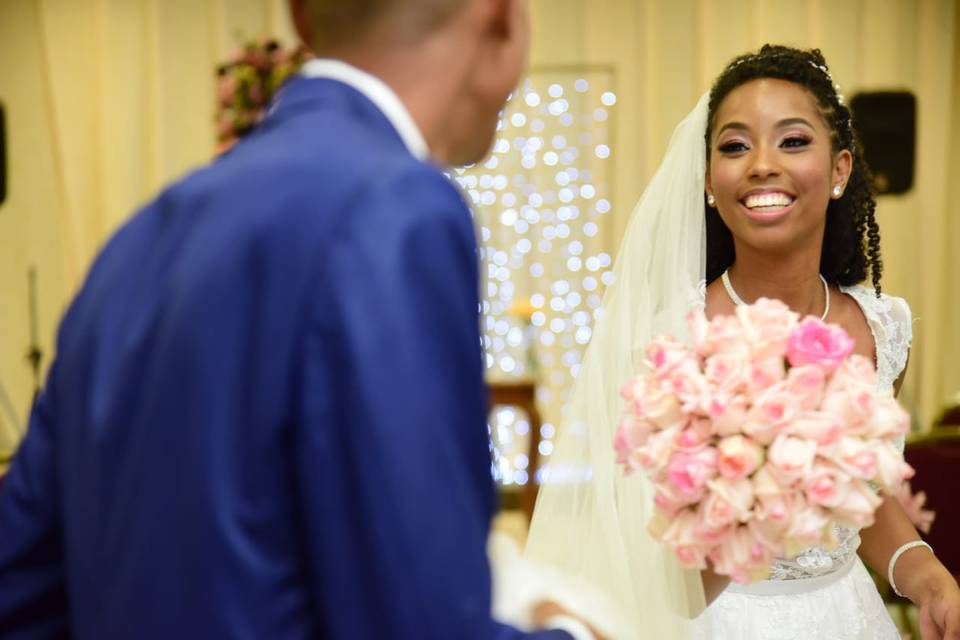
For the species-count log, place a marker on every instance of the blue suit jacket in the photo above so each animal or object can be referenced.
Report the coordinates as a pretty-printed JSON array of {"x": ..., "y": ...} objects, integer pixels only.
[{"x": 266, "y": 418}]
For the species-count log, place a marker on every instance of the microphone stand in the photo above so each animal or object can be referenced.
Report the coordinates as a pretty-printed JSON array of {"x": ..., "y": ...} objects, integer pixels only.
[
  {"x": 34, "y": 357},
  {"x": 34, "y": 353}
]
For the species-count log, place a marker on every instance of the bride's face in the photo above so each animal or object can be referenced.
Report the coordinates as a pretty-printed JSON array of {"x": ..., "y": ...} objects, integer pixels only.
[{"x": 772, "y": 167}]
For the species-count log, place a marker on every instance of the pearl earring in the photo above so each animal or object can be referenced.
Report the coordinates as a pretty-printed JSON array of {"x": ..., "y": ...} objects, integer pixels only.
[
  {"x": 837, "y": 191},
  {"x": 712, "y": 201}
]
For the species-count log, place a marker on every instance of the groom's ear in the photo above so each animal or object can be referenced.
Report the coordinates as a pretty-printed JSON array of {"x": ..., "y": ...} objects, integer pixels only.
[
  {"x": 505, "y": 37},
  {"x": 301, "y": 21},
  {"x": 503, "y": 18}
]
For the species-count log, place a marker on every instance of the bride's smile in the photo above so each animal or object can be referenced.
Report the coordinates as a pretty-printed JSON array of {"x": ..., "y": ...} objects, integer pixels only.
[{"x": 767, "y": 205}]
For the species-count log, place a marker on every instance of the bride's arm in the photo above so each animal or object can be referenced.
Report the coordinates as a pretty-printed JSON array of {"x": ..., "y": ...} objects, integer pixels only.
[{"x": 917, "y": 573}]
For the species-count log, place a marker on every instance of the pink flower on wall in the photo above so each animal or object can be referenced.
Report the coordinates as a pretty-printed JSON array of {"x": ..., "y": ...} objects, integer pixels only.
[{"x": 247, "y": 82}]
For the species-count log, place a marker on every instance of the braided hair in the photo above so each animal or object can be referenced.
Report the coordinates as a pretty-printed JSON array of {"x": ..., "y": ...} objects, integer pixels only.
[{"x": 851, "y": 240}]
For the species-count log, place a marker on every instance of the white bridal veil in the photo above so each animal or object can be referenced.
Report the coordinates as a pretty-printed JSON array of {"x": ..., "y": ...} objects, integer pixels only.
[{"x": 590, "y": 520}]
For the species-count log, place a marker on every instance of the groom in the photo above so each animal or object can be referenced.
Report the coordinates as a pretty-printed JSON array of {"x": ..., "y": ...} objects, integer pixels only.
[{"x": 266, "y": 418}]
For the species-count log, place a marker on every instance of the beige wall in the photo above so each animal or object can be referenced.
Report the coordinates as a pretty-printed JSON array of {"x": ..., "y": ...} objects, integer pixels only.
[{"x": 108, "y": 99}]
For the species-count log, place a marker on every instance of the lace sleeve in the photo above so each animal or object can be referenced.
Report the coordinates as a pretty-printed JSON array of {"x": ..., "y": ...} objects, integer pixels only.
[
  {"x": 890, "y": 322},
  {"x": 899, "y": 335}
]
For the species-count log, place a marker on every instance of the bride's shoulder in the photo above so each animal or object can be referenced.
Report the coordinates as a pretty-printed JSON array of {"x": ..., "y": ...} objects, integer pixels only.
[{"x": 881, "y": 307}]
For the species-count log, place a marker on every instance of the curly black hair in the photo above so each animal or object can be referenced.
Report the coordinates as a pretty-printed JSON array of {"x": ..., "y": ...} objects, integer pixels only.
[{"x": 851, "y": 241}]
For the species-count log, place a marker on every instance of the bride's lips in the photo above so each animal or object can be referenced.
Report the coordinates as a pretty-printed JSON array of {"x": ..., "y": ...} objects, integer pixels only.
[{"x": 770, "y": 213}]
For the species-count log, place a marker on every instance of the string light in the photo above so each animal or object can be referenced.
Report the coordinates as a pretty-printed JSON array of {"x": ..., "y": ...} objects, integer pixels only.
[{"x": 541, "y": 203}]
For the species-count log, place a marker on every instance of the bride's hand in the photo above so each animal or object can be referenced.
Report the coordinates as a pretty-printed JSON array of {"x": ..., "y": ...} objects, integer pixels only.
[
  {"x": 713, "y": 583},
  {"x": 546, "y": 609},
  {"x": 940, "y": 610}
]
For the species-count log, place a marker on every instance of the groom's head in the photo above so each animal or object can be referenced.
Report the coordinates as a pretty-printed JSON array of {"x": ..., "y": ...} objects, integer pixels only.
[{"x": 452, "y": 62}]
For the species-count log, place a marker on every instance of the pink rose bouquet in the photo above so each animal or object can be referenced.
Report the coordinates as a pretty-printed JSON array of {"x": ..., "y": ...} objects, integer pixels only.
[{"x": 758, "y": 436}]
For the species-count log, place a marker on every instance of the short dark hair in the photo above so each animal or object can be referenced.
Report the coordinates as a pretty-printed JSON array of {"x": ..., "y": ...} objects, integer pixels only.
[
  {"x": 851, "y": 240},
  {"x": 338, "y": 22}
]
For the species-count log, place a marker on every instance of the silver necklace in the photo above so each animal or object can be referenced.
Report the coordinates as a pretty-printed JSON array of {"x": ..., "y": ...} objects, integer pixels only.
[{"x": 739, "y": 301}]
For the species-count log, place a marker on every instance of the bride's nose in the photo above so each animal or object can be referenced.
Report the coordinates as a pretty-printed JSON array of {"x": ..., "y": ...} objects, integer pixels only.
[{"x": 763, "y": 162}]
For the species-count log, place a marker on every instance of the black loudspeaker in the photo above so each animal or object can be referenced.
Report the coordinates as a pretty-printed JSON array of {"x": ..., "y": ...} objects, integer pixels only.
[
  {"x": 3, "y": 157},
  {"x": 886, "y": 122}
]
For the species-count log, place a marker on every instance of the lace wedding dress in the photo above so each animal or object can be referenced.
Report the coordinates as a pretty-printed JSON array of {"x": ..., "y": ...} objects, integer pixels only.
[{"x": 821, "y": 594}]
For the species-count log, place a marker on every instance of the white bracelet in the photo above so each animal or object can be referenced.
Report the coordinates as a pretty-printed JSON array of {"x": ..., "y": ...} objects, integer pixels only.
[{"x": 896, "y": 556}]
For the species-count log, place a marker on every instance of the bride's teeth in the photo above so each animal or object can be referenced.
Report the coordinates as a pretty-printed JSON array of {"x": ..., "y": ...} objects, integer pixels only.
[{"x": 768, "y": 200}]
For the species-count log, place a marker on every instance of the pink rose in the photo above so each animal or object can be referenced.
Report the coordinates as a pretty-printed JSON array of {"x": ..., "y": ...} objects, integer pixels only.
[
  {"x": 622, "y": 447},
  {"x": 815, "y": 342},
  {"x": 741, "y": 556},
  {"x": 858, "y": 506},
  {"x": 770, "y": 534},
  {"x": 679, "y": 536},
  {"x": 632, "y": 433},
  {"x": 225, "y": 126},
  {"x": 738, "y": 457},
  {"x": 888, "y": 421},
  {"x": 256, "y": 94},
  {"x": 764, "y": 374},
  {"x": 688, "y": 473},
  {"x": 826, "y": 485},
  {"x": 912, "y": 504},
  {"x": 725, "y": 335},
  {"x": 737, "y": 494},
  {"x": 725, "y": 504},
  {"x": 667, "y": 499},
  {"x": 892, "y": 470},
  {"x": 727, "y": 413},
  {"x": 699, "y": 331},
  {"x": 852, "y": 407},
  {"x": 664, "y": 354},
  {"x": 807, "y": 528},
  {"x": 772, "y": 411},
  {"x": 695, "y": 435},
  {"x": 658, "y": 405},
  {"x": 655, "y": 454},
  {"x": 689, "y": 386},
  {"x": 854, "y": 456},
  {"x": 727, "y": 371},
  {"x": 766, "y": 325},
  {"x": 791, "y": 458},
  {"x": 806, "y": 383},
  {"x": 633, "y": 388},
  {"x": 857, "y": 370},
  {"x": 821, "y": 427},
  {"x": 715, "y": 514},
  {"x": 227, "y": 89},
  {"x": 776, "y": 501}
]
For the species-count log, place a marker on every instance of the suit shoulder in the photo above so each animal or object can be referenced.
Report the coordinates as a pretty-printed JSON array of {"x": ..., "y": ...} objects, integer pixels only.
[{"x": 403, "y": 200}]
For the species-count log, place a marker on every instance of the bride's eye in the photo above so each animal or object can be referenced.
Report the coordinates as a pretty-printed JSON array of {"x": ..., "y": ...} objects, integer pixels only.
[
  {"x": 732, "y": 147},
  {"x": 794, "y": 142}
]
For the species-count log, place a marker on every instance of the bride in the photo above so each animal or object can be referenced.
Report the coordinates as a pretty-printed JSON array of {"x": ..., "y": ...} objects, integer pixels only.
[{"x": 762, "y": 192}]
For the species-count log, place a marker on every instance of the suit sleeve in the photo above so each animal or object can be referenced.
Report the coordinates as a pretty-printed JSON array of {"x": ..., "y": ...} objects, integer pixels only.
[
  {"x": 394, "y": 464},
  {"x": 32, "y": 591}
]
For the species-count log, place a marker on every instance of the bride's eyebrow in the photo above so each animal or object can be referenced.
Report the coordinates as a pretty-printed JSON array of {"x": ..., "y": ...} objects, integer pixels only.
[
  {"x": 786, "y": 122},
  {"x": 733, "y": 125}
]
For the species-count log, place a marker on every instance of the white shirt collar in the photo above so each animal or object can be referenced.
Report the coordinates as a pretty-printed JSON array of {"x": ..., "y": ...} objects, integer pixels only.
[{"x": 379, "y": 93}]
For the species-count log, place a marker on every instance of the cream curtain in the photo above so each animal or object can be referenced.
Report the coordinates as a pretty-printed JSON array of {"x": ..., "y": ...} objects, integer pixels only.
[{"x": 108, "y": 99}]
